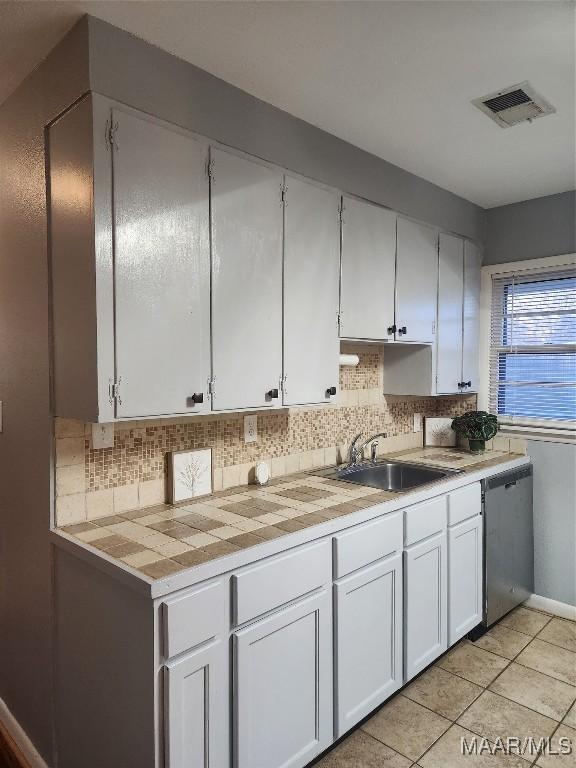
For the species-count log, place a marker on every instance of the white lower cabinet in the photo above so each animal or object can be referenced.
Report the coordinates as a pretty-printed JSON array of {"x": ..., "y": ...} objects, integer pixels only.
[
  {"x": 425, "y": 595},
  {"x": 464, "y": 578},
  {"x": 406, "y": 586},
  {"x": 282, "y": 701},
  {"x": 196, "y": 701},
  {"x": 368, "y": 640}
]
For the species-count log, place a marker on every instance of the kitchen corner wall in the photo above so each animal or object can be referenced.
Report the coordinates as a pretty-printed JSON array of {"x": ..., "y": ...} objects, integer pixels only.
[{"x": 95, "y": 483}]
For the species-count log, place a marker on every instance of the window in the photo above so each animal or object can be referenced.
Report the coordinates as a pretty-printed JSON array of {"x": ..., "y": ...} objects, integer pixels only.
[{"x": 533, "y": 348}]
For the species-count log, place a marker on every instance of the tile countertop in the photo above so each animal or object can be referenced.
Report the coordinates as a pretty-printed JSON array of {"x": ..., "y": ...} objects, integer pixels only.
[{"x": 160, "y": 543}]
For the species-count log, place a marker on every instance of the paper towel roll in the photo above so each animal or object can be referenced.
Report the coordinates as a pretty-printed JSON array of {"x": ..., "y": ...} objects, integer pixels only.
[{"x": 349, "y": 360}]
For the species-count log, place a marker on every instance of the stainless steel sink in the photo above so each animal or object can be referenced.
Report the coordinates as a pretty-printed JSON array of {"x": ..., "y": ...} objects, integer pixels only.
[{"x": 390, "y": 475}]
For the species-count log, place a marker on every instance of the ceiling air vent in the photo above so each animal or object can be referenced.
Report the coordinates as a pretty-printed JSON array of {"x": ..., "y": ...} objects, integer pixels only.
[{"x": 516, "y": 104}]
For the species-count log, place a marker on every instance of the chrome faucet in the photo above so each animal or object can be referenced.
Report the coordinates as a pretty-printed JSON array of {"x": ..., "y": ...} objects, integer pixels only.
[{"x": 356, "y": 450}]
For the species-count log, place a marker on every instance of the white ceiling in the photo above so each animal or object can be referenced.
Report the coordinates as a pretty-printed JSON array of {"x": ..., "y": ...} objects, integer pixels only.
[{"x": 395, "y": 78}]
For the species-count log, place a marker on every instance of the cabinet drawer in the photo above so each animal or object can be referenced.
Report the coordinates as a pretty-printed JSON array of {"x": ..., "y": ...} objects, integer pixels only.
[
  {"x": 464, "y": 503},
  {"x": 275, "y": 582},
  {"x": 423, "y": 520},
  {"x": 367, "y": 543},
  {"x": 193, "y": 618}
]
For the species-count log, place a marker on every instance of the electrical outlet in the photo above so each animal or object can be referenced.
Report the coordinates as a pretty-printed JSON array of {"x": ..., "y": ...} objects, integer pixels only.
[
  {"x": 102, "y": 435},
  {"x": 250, "y": 428},
  {"x": 417, "y": 422}
]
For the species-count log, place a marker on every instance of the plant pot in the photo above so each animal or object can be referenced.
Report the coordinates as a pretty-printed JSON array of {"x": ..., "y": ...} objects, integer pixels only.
[{"x": 477, "y": 446}]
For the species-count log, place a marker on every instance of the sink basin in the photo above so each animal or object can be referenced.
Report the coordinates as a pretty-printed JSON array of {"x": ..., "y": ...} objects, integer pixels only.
[{"x": 391, "y": 475}]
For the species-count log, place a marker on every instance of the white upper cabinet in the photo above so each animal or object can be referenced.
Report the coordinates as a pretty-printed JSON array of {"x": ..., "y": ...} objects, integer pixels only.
[
  {"x": 458, "y": 316},
  {"x": 368, "y": 271},
  {"x": 311, "y": 282},
  {"x": 130, "y": 265},
  {"x": 416, "y": 282},
  {"x": 246, "y": 282},
  {"x": 450, "y": 302},
  {"x": 451, "y": 365},
  {"x": 471, "y": 325},
  {"x": 161, "y": 268}
]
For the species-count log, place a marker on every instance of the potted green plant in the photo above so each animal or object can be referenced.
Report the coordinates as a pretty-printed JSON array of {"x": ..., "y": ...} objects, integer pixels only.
[{"x": 477, "y": 426}]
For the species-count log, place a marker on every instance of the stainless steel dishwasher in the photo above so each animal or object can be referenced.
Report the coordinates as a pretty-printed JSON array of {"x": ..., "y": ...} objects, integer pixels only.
[{"x": 508, "y": 543}]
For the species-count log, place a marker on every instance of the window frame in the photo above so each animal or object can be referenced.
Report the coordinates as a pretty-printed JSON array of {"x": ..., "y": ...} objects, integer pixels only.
[{"x": 515, "y": 427}]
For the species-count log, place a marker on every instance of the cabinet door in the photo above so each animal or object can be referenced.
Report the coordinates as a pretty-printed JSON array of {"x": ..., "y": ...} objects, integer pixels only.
[
  {"x": 283, "y": 687},
  {"x": 464, "y": 578},
  {"x": 368, "y": 270},
  {"x": 197, "y": 709},
  {"x": 246, "y": 282},
  {"x": 311, "y": 285},
  {"x": 450, "y": 299},
  {"x": 161, "y": 269},
  {"x": 368, "y": 635},
  {"x": 471, "y": 354},
  {"x": 425, "y": 595},
  {"x": 416, "y": 281}
]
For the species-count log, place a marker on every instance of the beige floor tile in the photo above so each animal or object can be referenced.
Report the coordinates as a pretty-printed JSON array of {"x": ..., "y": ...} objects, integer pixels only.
[
  {"x": 563, "y": 741},
  {"x": 495, "y": 717},
  {"x": 362, "y": 751},
  {"x": 560, "y": 632},
  {"x": 550, "y": 659},
  {"x": 544, "y": 694},
  {"x": 503, "y": 641},
  {"x": 570, "y": 718},
  {"x": 524, "y": 620},
  {"x": 443, "y": 692},
  {"x": 448, "y": 753},
  {"x": 472, "y": 663},
  {"x": 406, "y": 726}
]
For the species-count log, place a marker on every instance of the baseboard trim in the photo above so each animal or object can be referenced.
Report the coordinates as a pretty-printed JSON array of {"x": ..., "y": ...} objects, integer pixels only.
[
  {"x": 15, "y": 746},
  {"x": 555, "y": 607}
]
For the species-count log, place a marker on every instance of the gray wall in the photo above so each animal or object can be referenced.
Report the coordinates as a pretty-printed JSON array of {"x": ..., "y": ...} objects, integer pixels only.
[
  {"x": 26, "y": 444},
  {"x": 545, "y": 226},
  {"x": 125, "y": 68},
  {"x": 554, "y": 520}
]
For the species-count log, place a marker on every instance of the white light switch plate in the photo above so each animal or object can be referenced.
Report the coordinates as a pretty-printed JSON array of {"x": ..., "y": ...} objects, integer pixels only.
[
  {"x": 417, "y": 422},
  {"x": 102, "y": 435},
  {"x": 250, "y": 428}
]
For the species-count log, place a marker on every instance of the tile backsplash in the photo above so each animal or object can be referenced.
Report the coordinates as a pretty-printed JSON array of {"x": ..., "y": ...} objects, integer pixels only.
[{"x": 93, "y": 483}]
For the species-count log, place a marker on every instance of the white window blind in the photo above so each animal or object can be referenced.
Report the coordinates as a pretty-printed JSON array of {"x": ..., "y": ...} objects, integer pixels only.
[{"x": 533, "y": 349}]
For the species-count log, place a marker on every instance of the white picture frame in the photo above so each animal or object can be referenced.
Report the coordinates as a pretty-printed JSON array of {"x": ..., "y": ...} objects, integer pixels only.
[
  {"x": 438, "y": 432},
  {"x": 189, "y": 474}
]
